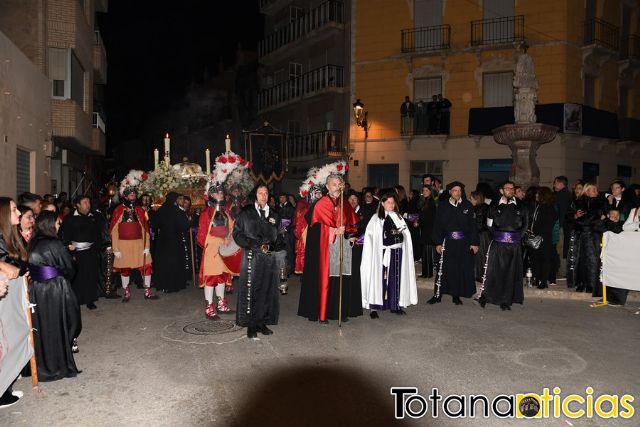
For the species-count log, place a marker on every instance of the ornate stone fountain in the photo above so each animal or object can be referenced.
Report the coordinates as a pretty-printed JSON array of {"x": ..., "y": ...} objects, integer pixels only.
[{"x": 525, "y": 136}]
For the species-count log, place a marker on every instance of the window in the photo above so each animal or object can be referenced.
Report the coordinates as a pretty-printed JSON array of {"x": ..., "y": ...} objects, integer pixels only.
[
  {"x": 589, "y": 91},
  {"x": 77, "y": 81},
  {"x": 624, "y": 173},
  {"x": 590, "y": 171},
  {"x": 428, "y": 13},
  {"x": 419, "y": 168},
  {"x": 23, "y": 171},
  {"x": 494, "y": 171},
  {"x": 424, "y": 89},
  {"x": 295, "y": 13},
  {"x": 58, "y": 66},
  {"x": 295, "y": 70},
  {"x": 497, "y": 89}
]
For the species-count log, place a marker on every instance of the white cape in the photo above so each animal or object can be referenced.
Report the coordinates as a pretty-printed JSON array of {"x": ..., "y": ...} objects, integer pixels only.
[{"x": 371, "y": 265}]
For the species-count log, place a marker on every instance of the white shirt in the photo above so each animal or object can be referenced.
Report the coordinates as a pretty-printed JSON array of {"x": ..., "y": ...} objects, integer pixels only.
[
  {"x": 453, "y": 202},
  {"x": 503, "y": 201},
  {"x": 632, "y": 223},
  {"x": 266, "y": 209}
]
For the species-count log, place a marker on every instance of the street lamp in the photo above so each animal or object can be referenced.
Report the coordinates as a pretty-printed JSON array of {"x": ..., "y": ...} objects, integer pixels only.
[{"x": 361, "y": 116}]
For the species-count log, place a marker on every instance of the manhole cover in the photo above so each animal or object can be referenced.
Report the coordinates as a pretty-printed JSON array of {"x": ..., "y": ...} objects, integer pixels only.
[{"x": 210, "y": 327}]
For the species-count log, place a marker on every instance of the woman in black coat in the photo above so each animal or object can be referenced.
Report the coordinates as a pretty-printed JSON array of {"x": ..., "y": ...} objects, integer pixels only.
[
  {"x": 426, "y": 220},
  {"x": 169, "y": 264},
  {"x": 56, "y": 319},
  {"x": 543, "y": 219},
  {"x": 583, "y": 265},
  {"x": 412, "y": 216}
]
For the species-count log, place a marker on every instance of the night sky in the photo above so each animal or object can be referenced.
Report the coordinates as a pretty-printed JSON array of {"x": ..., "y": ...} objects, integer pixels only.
[{"x": 155, "y": 49}]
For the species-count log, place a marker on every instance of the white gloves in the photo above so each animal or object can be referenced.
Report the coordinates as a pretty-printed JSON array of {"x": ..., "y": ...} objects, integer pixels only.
[
  {"x": 145, "y": 252},
  {"x": 117, "y": 254}
]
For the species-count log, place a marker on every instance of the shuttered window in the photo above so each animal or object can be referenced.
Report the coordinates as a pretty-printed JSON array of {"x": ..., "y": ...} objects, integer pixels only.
[
  {"x": 497, "y": 89},
  {"x": 77, "y": 81},
  {"x": 58, "y": 72},
  {"x": 424, "y": 89},
  {"x": 23, "y": 171}
]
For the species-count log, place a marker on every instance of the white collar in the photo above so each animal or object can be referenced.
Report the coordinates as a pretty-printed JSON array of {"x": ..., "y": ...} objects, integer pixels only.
[
  {"x": 453, "y": 203},
  {"x": 76, "y": 213},
  {"x": 357, "y": 209},
  {"x": 503, "y": 201},
  {"x": 266, "y": 209}
]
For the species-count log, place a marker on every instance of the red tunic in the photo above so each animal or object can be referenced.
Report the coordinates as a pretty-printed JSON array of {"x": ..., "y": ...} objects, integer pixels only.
[
  {"x": 300, "y": 233},
  {"x": 326, "y": 212}
]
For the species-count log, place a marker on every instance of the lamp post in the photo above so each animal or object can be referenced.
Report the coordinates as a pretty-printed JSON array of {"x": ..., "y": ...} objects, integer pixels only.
[{"x": 361, "y": 116}]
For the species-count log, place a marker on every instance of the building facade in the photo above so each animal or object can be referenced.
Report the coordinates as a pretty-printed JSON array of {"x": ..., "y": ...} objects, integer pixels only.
[
  {"x": 586, "y": 56},
  {"x": 62, "y": 40},
  {"x": 304, "y": 80}
]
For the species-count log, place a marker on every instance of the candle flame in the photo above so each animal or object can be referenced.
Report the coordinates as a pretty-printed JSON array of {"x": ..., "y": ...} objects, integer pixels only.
[{"x": 166, "y": 135}]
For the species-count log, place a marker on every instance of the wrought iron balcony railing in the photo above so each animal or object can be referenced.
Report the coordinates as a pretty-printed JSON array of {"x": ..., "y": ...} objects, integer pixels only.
[
  {"x": 597, "y": 31},
  {"x": 426, "y": 39},
  {"x": 326, "y": 143},
  {"x": 331, "y": 11},
  {"x": 507, "y": 29},
  {"x": 317, "y": 80}
]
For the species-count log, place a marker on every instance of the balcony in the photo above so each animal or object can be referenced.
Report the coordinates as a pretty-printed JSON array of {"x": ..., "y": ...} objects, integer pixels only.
[
  {"x": 497, "y": 31},
  {"x": 320, "y": 80},
  {"x": 316, "y": 145},
  {"x": 600, "y": 33},
  {"x": 98, "y": 122},
  {"x": 69, "y": 122},
  {"x": 99, "y": 59},
  {"x": 270, "y": 7},
  {"x": 426, "y": 39},
  {"x": 326, "y": 15},
  {"x": 630, "y": 48}
]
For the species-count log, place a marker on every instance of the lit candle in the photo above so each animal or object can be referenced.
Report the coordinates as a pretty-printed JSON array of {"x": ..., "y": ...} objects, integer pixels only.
[
  {"x": 156, "y": 158},
  {"x": 167, "y": 149},
  {"x": 207, "y": 155},
  {"x": 227, "y": 143}
]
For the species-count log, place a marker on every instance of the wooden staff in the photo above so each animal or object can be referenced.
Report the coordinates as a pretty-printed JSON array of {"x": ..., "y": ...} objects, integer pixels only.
[
  {"x": 32, "y": 363},
  {"x": 340, "y": 239},
  {"x": 193, "y": 262}
]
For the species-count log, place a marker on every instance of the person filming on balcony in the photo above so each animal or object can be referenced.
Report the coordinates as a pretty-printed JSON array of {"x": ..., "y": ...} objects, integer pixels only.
[
  {"x": 444, "y": 105},
  {"x": 406, "y": 115}
]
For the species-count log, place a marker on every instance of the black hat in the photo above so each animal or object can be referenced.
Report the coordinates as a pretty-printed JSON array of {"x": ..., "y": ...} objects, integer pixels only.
[{"x": 455, "y": 184}]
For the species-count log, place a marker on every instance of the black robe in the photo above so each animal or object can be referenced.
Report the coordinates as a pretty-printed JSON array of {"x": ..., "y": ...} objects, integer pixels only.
[
  {"x": 541, "y": 259},
  {"x": 586, "y": 237},
  {"x": 56, "y": 319},
  {"x": 455, "y": 273},
  {"x": 84, "y": 228},
  {"x": 287, "y": 212},
  {"x": 427, "y": 220},
  {"x": 169, "y": 264},
  {"x": 484, "y": 234},
  {"x": 258, "y": 296},
  {"x": 503, "y": 280}
]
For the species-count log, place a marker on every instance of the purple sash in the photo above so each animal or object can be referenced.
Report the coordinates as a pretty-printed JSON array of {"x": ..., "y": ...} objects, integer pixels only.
[
  {"x": 413, "y": 217},
  {"x": 507, "y": 236},
  {"x": 360, "y": 240},
  {"x": 42, "y": 273},
  {"x": 455, "y": 235},
  {"x": 284, "y": 223}
]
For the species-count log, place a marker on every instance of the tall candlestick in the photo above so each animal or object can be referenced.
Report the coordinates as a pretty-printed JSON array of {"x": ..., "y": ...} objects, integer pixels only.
[
  {"x": 156, "y": 158},
  {"x": 227, "y": 143},
  {"x": 167, "y": 149},
  {"x": 207, "y": 155}
]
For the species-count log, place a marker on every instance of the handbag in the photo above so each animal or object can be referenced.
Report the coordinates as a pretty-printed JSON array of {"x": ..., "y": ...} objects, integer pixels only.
[{"x": 531, "y": 240}]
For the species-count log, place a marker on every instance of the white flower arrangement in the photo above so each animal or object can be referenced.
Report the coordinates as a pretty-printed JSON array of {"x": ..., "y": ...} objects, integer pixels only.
[
  {"x": 162, "y": 180},
  {"x": 228, "y": 167},
  {"x": 318, "y": 176},
  {"x": 134, "y": 179}
]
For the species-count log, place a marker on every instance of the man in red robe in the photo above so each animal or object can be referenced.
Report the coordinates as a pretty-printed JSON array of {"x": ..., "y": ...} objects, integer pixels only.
[{"x": 326, "y": 224}]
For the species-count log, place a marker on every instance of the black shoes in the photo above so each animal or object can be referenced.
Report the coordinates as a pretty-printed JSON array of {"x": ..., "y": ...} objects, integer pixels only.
[
  {"x": 324, "y": 322},
  {"x": 505, "y": 306},
  {"x": 252, "y": 332},
  {"x": 373, "y": 314},
  {"x": 482, "y": 300},
  {"x": 91, "y": 306},
  {"x": 457, "y": 301},
  {"x": 399, "y": 312},
  {"x": 264, "y": 330},
  {"x": 434, "y": 299}
]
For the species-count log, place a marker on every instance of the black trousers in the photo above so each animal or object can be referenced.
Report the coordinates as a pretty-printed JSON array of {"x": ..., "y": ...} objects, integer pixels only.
[{"x": 429, "y": 259}]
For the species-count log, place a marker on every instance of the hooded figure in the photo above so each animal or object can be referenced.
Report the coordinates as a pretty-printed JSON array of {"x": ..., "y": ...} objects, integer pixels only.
[
  {"x": 172, "y": 225},
  {"x": 455, "y": 235}
]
